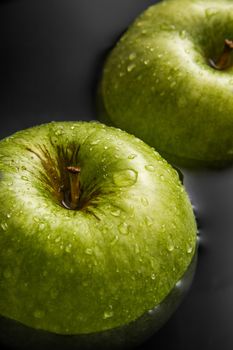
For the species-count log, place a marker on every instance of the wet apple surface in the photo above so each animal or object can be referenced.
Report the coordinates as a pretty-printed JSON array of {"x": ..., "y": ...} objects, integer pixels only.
[
  {"x": 96, "y": 229},
  {"x": 45, "y": 78},
  {"x": 171, "y": 73}
]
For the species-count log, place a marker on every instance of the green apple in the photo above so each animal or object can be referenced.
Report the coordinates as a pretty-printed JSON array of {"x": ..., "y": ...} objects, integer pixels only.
[
  {"x": 96, "y": 228},
  {"x": 169, "y": 80}
]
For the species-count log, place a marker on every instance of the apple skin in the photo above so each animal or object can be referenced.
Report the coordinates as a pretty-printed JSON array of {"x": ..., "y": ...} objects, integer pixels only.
[
  {"x": 157, "y": 82},
  {"x": 102, "y": 266},
  {"x": 17, "y": 336}
]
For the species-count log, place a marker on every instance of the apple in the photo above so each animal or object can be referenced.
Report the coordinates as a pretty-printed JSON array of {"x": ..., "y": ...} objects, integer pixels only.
[
  {"x": 169, "y": 81},
  {"x": 96, "y": 230}
]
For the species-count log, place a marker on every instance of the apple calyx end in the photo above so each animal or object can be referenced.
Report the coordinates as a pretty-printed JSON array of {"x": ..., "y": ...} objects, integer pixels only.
[{"x": 224, "y": 60}]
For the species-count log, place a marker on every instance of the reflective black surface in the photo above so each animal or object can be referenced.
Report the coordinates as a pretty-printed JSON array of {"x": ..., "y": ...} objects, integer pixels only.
[{"x": 52, "y": 52}]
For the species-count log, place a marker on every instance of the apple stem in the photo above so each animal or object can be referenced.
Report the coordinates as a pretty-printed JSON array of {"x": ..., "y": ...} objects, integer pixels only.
[
  {"x": 224, "y": 60},
  {"x": 74, "y": 186}
]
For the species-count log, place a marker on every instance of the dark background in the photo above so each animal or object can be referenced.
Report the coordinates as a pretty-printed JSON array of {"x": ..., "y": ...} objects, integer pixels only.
[{"x": 52, "y": 52}]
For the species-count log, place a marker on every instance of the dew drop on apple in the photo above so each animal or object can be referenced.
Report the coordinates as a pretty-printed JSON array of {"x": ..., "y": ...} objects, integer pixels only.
[
  {"x": 116, "y": 212},
  {"x": 41, "y": 226},
  {"x": 144, "y": 201},
  {"x": 114, "y": 240},
  {"x": 96, "y": 142},
  {"x": 89, "y": 251},
  {"x": 153, "y": 276},
  {"x": 173, "y": 84},
  {"x": 68, "y": 248},
  {"x": 132, "y": 56},
  {"x": 148, "y": 221},
  {"x": 125, "y": 178},
  {"x": 124, "y": 228},
  {"x": 39, "y": 314},
  {"x": 170, "y": 247},
  {"x": 108, "y": 314},
  {"x": 182, "y": 34},
  {"x": 179, "y": 284},
  {"x": 189, "y": 249},
  {"x": 132, "y": 156},
  {"x": 4, "y": 226},
  {"x": 131, "y": 67},
  {"x": 150, "y": 168},
  {"x": 137, "y": 250}
]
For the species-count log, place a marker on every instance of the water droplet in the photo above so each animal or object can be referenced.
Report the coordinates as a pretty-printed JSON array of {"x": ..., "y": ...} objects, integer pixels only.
[
  {"x": 68, "y": 248},
  {"x": 150, "y": 168},
  {"x": 189, "y": 249},
  {"x": 105, "y": 147},
  {"x": 88, "y": 251},
  {"x": 4, "y": 226},
  {"x": 170, "y": 247},
  {"x": 124, "y": 228},
  {"x": 137, "y": 250},
  {"x": 179, "y": 284},
  {"x": 93, "y": 143},
  {"x": 114, "y": 241},
  {"x": 167, "y": 26},
  {"x": 146, "y": 62},
  {"x": 148, "y": 221},
  {"x": 144, "y": 201},
  {"x": 8, "y": 216},
  {"x": 153, "y": 276},
  {"x": 39, "y": 314},
  {"x": 41, "y": 226},
  {"x": 23, "y": 167},
  {"x": 132, "y": 56},
  {"x": 182, "y": 34},
  {"x": 24, "y": 178},
  {"x": 125, "y": 178},
  {"x": 132, "y": 156},
  {"x": 116, "y": 212},
  {"x": 131, "y": 67},
  {"x": 108, "y": 314}
]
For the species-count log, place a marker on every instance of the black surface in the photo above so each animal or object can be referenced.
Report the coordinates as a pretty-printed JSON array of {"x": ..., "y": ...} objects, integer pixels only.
[{"x": 51, "y": 57}]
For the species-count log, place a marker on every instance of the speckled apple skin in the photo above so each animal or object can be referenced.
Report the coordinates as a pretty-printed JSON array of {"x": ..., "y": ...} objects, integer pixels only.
[{"x": 158, "y": 84}]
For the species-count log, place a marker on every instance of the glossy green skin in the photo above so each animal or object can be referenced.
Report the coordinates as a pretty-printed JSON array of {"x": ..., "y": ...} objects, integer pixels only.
[
  {"x": 88, "y": 270},
  {"x": 157, "y": 82}
]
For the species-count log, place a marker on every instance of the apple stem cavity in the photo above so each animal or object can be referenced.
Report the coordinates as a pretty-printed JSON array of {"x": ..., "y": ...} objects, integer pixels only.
[
  {"x": 74, "y": 175},
  {"x": 224, "y": 60}
]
